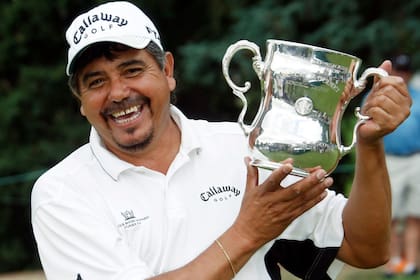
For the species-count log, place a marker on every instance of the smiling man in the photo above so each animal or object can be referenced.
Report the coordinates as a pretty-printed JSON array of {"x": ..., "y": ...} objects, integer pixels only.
[
  {"x": 126, "y": 95},
  {"x": 155, "y": 195}
]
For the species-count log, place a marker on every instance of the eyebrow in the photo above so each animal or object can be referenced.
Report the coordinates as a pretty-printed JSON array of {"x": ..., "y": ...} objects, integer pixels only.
[{"x": 132, "y": 62}]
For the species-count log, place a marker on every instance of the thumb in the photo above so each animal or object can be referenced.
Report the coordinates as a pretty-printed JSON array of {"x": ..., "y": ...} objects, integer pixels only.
[
  {"x": 252, "y": 174},
  {"x": 386, "y": 65}
]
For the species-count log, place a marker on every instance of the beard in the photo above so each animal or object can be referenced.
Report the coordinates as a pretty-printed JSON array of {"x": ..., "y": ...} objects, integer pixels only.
[{"x": 138, "y": 145}]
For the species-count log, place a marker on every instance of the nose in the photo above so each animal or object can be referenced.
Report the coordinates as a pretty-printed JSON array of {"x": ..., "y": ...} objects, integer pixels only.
[{"x": 118, "y": 90}]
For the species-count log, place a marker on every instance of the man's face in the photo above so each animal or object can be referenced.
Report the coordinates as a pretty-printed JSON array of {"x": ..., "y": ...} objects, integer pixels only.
[{"x": 127, "y": 99}]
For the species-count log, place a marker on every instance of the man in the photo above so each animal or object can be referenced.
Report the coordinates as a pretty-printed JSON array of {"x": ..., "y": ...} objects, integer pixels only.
[
  {"x": 154, "y": 195},
  {"x": 402, "y": 149}
]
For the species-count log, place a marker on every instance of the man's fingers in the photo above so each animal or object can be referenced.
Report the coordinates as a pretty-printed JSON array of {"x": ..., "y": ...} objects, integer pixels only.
[
  {"x": 252, "y": 174},
  {"x": 301, "y": 201},
  {"x": 313, "y": 178},
  {"x": 273, "y": 181}
]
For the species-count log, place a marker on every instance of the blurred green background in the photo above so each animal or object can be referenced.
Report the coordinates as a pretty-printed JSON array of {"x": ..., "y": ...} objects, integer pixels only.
[{"x": 40, "y": 120}]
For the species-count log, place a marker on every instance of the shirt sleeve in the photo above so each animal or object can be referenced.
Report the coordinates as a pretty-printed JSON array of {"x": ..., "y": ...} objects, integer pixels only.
[{"x": 77, "y": 241}]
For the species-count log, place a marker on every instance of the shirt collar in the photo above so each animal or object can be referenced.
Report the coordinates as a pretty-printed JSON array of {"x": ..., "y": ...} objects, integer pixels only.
[{"x": 114, "y": 166}]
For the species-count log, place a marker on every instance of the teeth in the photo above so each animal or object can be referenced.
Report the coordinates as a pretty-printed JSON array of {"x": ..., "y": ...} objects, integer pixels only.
[
  {"x": 122, "y": 121},
  {"x": 125, "y": 112}
]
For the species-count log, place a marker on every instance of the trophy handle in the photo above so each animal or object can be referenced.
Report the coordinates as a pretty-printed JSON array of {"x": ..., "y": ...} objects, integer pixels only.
[
  {"x": 239, "y": 91},
  {"x": 360, "y": 85}
]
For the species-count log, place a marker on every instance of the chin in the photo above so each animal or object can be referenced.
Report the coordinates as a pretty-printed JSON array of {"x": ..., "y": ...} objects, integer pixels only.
[{"x": 137, "y": 145}]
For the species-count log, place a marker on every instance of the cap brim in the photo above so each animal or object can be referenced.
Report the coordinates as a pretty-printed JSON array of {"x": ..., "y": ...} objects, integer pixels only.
[{"x": 131, "y": 41}]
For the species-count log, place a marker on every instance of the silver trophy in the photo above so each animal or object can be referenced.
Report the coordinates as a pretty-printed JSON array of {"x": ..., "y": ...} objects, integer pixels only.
[{"x": 305, "y": 91}]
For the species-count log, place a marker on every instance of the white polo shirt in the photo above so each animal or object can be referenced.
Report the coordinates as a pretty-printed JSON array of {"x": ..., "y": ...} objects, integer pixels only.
[{"x": 96, "y": 217}]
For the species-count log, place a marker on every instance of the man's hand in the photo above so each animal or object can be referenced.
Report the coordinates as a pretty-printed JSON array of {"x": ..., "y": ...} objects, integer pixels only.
[
  {"x": 387, "y": 105},
  {"x": 268, "y": 209}
]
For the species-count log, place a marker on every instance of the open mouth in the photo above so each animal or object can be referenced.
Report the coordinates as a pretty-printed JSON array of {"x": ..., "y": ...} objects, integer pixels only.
[{"x": 127, "y": 115}]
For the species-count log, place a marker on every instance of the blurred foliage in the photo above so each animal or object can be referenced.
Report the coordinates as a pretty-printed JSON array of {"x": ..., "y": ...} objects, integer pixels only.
[
  {"x": 40, "y": 120},
  {"x": 366, "y": 29}
]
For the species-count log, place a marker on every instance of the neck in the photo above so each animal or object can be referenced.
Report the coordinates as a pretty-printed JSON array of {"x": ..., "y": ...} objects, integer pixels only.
[
  {"x": 159, "y": 155},
  {"x": 164, "y": 151}
]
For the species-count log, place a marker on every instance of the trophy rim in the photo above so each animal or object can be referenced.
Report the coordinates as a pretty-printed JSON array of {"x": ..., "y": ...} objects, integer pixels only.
[{"x": 313, "y": 47}]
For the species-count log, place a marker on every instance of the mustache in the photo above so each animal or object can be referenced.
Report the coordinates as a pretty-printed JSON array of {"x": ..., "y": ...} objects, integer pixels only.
[{"x": 130, "y": 101}]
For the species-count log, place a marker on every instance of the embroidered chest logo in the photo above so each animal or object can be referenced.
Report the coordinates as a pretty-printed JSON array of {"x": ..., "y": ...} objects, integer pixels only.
[
  {"x": 128, "y": 215},
  {"x": 221, "y": 193},
  {"x": 130, "y": 220}
]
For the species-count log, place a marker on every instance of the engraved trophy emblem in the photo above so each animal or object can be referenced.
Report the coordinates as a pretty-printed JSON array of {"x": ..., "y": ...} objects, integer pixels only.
[{"x": 304, "y": 93}]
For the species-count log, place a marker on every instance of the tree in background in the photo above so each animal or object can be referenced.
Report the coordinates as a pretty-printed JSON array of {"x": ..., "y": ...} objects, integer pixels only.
[
  {"x": 40, "y": 119},
  {"x": 363, "y": 28}
]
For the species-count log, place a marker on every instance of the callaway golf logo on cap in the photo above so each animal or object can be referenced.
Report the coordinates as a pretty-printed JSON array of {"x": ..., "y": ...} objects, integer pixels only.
[
  {"x": 120, "y": 22},
  {"x": 109, "y": 21}
]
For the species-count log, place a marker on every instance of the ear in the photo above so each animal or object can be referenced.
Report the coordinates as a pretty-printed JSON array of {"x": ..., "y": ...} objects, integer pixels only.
[
  {"x": 82, "y": 111},
  {"x": 169, "y": 70}
]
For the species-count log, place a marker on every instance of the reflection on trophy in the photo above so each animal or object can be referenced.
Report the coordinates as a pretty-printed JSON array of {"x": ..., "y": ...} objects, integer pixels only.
[{"x": 304, "y": 93}]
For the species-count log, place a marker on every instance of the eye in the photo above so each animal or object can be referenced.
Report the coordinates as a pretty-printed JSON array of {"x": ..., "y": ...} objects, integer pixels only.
[
  {"x": 133, "y": 71},
  {"x": 95, "y": 83}
]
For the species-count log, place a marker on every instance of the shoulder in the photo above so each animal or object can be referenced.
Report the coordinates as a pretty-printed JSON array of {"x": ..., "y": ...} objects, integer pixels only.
[
  {"x": 225, "y": 135},
  {"x": 214, "y": 128},
  {"x": 414, "y": 90},
  {"x": 204, "y": 128},
  {"x": 49, "y": 186}
]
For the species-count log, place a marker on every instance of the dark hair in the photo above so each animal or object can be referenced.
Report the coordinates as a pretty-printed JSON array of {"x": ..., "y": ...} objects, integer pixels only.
[
  {"x": 401, "y": 62},
  {"x": 109, "y": 50}
]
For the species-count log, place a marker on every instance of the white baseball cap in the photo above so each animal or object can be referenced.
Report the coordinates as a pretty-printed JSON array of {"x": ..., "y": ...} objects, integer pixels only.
[{"x": 120, "y": 22}]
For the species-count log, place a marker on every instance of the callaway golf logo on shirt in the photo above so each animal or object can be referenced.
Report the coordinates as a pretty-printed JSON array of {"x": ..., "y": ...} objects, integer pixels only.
[{"x": 219, "y": 193}]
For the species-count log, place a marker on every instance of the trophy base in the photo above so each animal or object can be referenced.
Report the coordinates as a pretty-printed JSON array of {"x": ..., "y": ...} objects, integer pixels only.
[{"x": 270, "y": 165}]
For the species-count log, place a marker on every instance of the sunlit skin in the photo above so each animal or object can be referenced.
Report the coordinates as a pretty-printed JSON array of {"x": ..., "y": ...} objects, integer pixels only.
[{"x": 127, "y": 99}]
